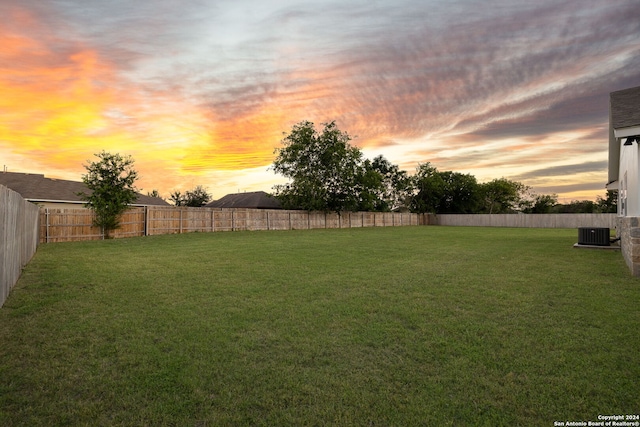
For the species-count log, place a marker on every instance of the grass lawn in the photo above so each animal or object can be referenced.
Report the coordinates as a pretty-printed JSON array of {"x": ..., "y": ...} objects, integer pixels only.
[{"x": 379, "y": 326}]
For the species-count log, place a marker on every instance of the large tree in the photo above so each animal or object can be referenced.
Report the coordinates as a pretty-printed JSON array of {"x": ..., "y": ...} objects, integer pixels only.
[
  {"x": 325, "y": 171},
  {"x": 429, "y": 189},
  {"x": 111, "y": 182},
  {"x": 396, "y": 187},
  {"x": 502, "y": 195},
  {"x": 444, "y": 192},
  {"x": 461, "y": 193}
]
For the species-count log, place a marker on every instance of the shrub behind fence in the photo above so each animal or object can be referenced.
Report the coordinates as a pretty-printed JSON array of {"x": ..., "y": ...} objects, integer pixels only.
[{"x": 18, "y": 237}]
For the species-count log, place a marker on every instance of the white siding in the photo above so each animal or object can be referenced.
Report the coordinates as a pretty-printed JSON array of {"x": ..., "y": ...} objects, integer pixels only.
[{"x": 630, "y": 188}]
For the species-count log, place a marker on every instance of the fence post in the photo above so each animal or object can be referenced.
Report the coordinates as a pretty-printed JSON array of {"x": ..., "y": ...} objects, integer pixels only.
[{"x": 46, "y": 233}]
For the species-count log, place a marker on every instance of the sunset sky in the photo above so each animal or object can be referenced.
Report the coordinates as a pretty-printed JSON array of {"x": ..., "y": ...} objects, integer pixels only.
[{"x": 200, "y": 92}]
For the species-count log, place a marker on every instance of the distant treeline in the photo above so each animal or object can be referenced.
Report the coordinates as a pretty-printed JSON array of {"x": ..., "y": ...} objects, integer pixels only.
[{"x": 327, "y": 173}]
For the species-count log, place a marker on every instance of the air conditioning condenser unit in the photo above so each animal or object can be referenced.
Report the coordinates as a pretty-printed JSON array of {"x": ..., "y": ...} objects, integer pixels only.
[{"x": 594, "y": 236}]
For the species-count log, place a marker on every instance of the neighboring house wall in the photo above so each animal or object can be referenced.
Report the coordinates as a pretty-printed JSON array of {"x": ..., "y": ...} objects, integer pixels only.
[
  {"x": 59, "y": 205},
  {"x": 624, "y": 174},
  {"x": 629, "y": 201}
]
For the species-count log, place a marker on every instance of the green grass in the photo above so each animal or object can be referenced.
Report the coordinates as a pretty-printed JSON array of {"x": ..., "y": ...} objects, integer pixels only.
[{"x": 385, "y": 327}]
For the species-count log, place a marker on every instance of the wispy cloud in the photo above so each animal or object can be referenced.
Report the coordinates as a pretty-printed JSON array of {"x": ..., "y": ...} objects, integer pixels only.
[
  {"x": 563, "y": 170},
  {"x": 197, "y": 90}
]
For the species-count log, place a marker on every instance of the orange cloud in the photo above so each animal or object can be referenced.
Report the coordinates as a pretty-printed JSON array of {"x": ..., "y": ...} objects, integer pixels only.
[
  {"x": 53, "y": 101},
  {"x": 62, "y": 102}
]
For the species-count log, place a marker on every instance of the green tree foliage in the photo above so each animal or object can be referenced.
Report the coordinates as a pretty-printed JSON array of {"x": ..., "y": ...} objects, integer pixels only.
[
  {"x": 501, "y": 195},
  {"x": 197, "y": 197},
  {"x": 608, "y": 204},
  {"x": 370, "y": 189},
  {"x": 111, "y": 181},
  {"x": 429, "y": 189},
  {"x": 444, "y": 192},
  {"x": 577, "y": 206},
  {"x": 539, "y": 203},
  {"x": 177, "y": 198},
  {"x": 326, "y": 172},
  {"x": 396, "y": 187},
  {"x": 154, "y": 193},
  {"x": 461, "y": 193}
]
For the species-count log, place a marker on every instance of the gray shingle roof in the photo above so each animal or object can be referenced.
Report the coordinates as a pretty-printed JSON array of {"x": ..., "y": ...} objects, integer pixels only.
[
  {"x": 625, "y": 108},
  {"x": 252, "y": 200},
  {"x": 36, "y": 187}
]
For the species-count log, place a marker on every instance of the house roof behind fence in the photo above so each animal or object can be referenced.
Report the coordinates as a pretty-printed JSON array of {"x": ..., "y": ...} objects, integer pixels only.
[
  {"x": 35, "y": 187},
  {"x": 251, "y": 200},
  {"x": 625, "y": 108}
]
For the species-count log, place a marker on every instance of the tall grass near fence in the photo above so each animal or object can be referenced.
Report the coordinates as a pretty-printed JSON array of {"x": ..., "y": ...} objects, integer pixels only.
[
  {"x": 18, "y": 237},
  {"x": 366, "y": 326}
]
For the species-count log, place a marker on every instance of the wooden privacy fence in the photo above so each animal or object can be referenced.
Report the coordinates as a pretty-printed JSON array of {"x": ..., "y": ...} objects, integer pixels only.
[
  {"x": 18, "y": 238},
  {"x": 64, "y": 225},
  {"x": 607, "y": 220}
]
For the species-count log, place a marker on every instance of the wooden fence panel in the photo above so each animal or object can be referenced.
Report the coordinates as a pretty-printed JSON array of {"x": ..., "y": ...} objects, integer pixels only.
[
  {"x": 526, "y": 220},
  {"x": 316, "y": 220},
  {"x": 240, "y": 220},
  {"x": 332, "y": 220},
  {"x": 224, "y": 220},
  {"x": 355, "y": 219},
  {"x": 345, "y": 220},
  {"x": 161, "y": 220},
  {"x": 68, "y": 225},
  {"x": 132, "y": 224},
  {"x": 257, "y": 221},
  {"x": 299, "y": 220},
  {"x": 368, "y": 219},
  {"x": 377, "y": 219},
  {"x": 279, "y": 220},
  {"x": 18, "y": 238},
  {"x": 196, "y": 220}
]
